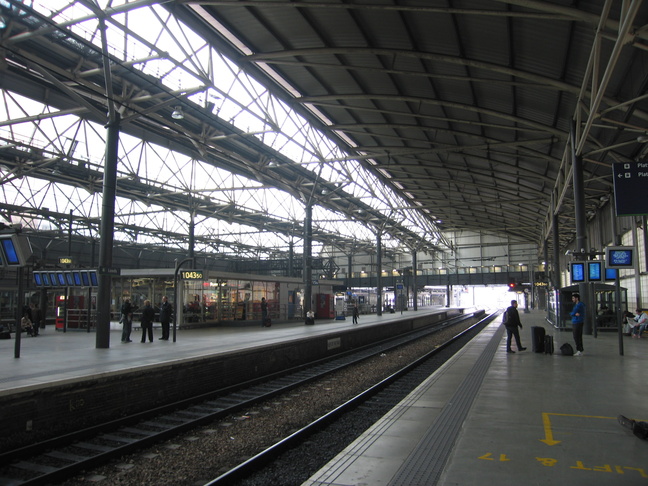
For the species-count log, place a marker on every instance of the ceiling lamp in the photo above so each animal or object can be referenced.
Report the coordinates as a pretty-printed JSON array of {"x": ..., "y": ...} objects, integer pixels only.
[{"x": 177, "y": 113}]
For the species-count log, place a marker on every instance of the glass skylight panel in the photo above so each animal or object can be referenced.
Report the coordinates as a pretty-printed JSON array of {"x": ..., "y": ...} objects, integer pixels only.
[{"x": 193, "y": 65}]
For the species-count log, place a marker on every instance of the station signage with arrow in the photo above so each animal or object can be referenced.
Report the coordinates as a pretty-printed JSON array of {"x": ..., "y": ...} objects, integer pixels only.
[{"x": 630, "y": 188}]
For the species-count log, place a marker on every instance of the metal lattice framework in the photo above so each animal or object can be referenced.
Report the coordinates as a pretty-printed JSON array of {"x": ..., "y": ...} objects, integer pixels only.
[
  {"x": 464, "y": 108},
  {"x": 407, "y": 119},
  {"x": 240, "y": 164}
]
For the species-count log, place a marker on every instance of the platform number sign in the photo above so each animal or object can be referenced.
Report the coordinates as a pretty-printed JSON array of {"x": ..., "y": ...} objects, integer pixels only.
[{"x": 191, "y": 274}]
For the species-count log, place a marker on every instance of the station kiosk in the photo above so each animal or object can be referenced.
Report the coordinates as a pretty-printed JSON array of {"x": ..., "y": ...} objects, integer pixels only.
[{"x": 560, "y": 305}]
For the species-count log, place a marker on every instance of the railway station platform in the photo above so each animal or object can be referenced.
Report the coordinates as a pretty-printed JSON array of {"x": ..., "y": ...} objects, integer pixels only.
[
  {"x": 488, "y": 417},
  {"x": 60, "y": 381},
  {"x": 57, "y": 357}
]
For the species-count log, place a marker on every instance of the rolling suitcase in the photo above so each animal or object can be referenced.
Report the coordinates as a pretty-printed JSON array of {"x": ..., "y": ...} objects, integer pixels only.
[
  {"x": 548, "y": 344},
  {"x": 537, "y": 339}
]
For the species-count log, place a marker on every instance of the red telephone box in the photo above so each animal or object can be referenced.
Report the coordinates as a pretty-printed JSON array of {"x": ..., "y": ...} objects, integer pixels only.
[
  {"x": 74, "y": 310},
  {"x": 324, "y": 306}
]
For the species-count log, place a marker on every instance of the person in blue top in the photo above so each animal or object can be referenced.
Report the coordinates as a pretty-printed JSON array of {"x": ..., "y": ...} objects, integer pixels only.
[{"x": 578, "y": 319}]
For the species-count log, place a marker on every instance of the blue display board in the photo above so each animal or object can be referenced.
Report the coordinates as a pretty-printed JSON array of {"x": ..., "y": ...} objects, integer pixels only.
[
  {"x": 70, "y": 278},
  {"x": 594, "y": 271},
  {"x": 578, "y": 272},
  {"x": 619, "y": 257},
  {"x": 15, "y": 250},
  {"x": 611, "y": 273}
]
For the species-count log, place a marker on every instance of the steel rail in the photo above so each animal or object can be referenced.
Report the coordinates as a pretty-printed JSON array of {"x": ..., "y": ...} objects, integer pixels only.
[
  {"x": 31, "y": 465},
  {"x": 255, "y": 463}
]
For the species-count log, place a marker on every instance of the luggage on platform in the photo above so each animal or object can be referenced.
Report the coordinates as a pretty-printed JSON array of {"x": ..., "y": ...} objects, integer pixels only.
[
  {"x": 567, "y": 349},
  {"x": 639, "y": 428},
  {"x": 267, "y": 322},
  {"x": 548, "y": 344},
  {"x": 537, "y": 339}
]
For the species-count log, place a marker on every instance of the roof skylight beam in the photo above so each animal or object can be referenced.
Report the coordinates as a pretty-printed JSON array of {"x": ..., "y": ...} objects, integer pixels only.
[{"x": 366, "y": 186}]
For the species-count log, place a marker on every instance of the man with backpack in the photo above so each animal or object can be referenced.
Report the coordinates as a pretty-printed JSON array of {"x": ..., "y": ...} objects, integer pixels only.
[{"x": 512, "y": 321}]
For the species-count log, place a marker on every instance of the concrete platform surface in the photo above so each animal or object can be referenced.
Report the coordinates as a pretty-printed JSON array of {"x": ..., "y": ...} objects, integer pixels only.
[{"x": 531, "y": 419}]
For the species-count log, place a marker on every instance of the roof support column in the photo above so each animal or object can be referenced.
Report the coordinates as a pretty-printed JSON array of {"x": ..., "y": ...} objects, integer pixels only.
[
  {"x": 349, "y": 270},
  {"x": 555, "y": 267},
  {"x": 291, "y": 257},
  {"x": 107, "y": 235},
  {"x": 547, "y": 277},
  {"x": 616, "y": 241},
  {"x": 308, "y": 259},
  {"x": 414, "y": 286},
  {"x": 379, "y": 285},
  {"x": 579, "y": 214},
  {"x": 192, "y": 238}
]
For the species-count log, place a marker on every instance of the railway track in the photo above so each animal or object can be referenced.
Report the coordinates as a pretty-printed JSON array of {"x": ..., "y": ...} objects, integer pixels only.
[
  {"x": 271, "y": 465},
  {"x": 62, "y": 457}
]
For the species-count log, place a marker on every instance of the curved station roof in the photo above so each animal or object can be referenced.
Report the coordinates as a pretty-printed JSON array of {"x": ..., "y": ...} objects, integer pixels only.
[{"x": 406, "y": 119}]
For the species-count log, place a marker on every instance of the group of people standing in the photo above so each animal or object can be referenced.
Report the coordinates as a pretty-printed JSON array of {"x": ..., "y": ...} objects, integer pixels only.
[
  {"x": 512, "y": 323},
  {"x": 147, "y": 318}
]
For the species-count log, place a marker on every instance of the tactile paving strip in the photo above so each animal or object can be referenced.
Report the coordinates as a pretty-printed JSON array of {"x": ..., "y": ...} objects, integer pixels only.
[{"x": 425, "y": 464}]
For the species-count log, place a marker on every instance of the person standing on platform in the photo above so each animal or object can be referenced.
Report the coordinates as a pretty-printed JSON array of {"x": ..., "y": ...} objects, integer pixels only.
[
  {"x": 37, "y": 317},
  {"x": 356, "y": 314},
  {"x": 148, "y": 315},
  {"x": 126, "y": 320},
  {"x": 578, "y": 320},
  {"x": 264, "y": 312},
  {"x": 166, "y": 311},
  {"x": 512, "y": 323}
]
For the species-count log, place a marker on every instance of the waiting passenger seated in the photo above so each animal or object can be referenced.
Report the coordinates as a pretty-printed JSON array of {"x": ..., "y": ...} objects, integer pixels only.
[
  {"x": 26, "y": 325},
  {"x": 605, "y": 317},
  {"x": 5, "y": 332},
  {"x": 627, "y": 319},
  {"x": 641, "y": 322}
]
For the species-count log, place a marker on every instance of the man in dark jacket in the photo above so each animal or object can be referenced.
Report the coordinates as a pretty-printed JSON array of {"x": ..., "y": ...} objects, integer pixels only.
[
  {"x": 512, "y": 322},
  {"x": 166, "y": 310},
  {"x": 127, "y": 320},
  {"x": 148, "y": 314}
]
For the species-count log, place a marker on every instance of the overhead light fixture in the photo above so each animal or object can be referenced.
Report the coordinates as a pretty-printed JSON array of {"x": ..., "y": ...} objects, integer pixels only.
[
  {"x": 177, "y": 113},
  {"x": 642, "y": 138}
]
